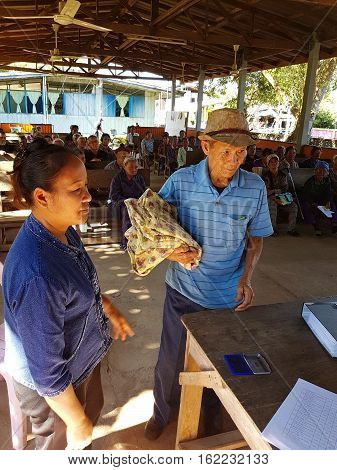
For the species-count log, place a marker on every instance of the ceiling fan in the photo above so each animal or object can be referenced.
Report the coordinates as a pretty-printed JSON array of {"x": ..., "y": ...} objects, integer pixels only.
[
  {"x": 54, "y": 54},
  {"x": 234, "y": 71},
  {"x": 65, "y": 16}
]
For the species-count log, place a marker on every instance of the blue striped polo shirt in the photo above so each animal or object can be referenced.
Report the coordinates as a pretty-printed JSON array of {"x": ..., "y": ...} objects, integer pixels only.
[{"x": 220, "y": 223}]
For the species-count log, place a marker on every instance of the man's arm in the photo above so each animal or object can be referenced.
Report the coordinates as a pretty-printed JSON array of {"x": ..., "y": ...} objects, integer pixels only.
[{"x": 244, "y": 290}]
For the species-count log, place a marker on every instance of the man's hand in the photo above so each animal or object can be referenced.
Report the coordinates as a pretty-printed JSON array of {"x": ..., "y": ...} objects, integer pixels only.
[
  {"x": 79, "y": 435},
  {"x": 121, "y": 327},
  {"x": 184, "y": 254},
  {"x": 245, "y": 294}
]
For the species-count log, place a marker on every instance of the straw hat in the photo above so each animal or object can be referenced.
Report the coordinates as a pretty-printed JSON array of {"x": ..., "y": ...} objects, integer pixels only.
[{"x": 228, "y": 125}]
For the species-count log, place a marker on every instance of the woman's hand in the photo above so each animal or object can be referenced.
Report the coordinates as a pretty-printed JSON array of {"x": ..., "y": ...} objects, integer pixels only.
[
  {"x": 79, "y": 435},
  {"x": 184, "y": 254},
  {"x": 121, "y": 327}
]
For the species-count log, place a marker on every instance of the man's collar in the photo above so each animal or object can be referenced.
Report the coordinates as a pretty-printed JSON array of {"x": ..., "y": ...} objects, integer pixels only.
[{"x": 203, "y": 178}]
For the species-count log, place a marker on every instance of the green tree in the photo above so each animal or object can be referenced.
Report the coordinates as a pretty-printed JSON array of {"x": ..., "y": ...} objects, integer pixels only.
[
  {"x": 324, "y": 120},
  {"x": 283, "y": 85}
]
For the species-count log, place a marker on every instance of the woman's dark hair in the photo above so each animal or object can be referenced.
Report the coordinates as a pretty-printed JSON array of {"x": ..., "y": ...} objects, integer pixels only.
[
  {"x": 36, "y": 167},
  {"x": 267, "y": 151},
  {"x": 291, "y": 147},
  {"x": 104, "y": 135}
]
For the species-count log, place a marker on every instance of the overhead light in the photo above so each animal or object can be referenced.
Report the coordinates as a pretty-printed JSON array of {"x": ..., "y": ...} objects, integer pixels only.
[{"x": 177, "y": 42}]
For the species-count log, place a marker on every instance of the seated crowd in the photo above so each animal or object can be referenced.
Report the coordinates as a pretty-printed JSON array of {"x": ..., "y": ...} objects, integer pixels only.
[
  {"x": 169, "y": 153},
  {"x": 318, "y": 194}
]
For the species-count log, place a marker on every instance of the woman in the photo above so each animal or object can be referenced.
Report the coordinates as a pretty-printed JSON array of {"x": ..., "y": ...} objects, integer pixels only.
[
  {"x": 56, "y": 318},
  {"x": 126, "y": 184},
  {"x": 105, "y": 141},
  {"x": 277, "y": 183}
]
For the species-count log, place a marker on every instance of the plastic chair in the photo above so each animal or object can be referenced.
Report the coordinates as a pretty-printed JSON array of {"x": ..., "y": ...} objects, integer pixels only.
[{"x": 18, "y": 419}]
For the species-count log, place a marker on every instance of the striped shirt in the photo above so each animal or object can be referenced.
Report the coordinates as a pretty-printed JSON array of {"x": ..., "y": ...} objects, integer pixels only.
[{"x": 220, "y": 223}]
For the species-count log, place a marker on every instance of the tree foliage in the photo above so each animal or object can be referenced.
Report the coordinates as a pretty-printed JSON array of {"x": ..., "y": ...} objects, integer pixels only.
[
  {"x": 325, "y": 120},
  {"x": 281, "y": 86}
]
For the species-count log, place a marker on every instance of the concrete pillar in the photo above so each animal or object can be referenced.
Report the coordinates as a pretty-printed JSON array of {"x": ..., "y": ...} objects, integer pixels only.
[
  {"x": 242, "y": 85},
  {"x": 173, "y": 93},
  {"x": 200, "y": 96},
  {"x": 308, "y": 95},
  {"x": 99, "y": 98}
]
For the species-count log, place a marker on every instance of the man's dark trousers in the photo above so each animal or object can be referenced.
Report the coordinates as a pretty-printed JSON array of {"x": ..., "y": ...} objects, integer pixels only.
[{"x": 171, "y": 357}]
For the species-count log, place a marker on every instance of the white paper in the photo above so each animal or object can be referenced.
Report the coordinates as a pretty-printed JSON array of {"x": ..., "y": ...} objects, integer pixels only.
[
  {"x": 326, "y": 212},
  {"x": 306, "y": 420}
]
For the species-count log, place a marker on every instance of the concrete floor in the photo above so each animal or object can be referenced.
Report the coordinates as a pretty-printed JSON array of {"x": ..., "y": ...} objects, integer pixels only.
[{"x": 289, "y": 269}]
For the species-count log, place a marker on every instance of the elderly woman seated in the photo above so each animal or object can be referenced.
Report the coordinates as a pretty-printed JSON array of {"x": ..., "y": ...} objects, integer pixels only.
[
  {"x": 126, "y": 184},
  {"x": 317, "y": 192},
  {"x": 279, "y": 199}
]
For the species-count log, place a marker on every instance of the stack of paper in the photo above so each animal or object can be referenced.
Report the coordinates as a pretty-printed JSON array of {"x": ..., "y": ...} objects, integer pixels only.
[
  {"x": 322, "y": 320},
  {"x": 306, "y": 420},
  {"x": 326, "y": 212}
]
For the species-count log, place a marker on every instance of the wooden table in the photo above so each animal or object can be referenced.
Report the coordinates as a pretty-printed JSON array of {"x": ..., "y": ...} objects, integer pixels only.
[{"x": 280, "y": 334}]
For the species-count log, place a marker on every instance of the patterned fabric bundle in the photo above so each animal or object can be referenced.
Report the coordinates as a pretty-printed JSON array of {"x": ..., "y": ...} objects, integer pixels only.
[{"x": 155, "y": 233}]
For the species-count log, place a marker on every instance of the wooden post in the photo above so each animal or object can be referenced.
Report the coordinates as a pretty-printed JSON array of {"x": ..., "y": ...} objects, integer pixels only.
[
  {"x": 190, "y": 403},
  {"x": 303, "y": 136},
  {"x": 200, "y": 96},
  {"x": 242, "y": 85}
]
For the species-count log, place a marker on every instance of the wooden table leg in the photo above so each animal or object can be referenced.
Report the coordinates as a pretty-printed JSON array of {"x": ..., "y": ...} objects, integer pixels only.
[{"x": 190, "y": 403}]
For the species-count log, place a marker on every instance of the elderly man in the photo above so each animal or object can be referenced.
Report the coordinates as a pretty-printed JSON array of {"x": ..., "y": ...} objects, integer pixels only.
[
  {"x": 93, "y": 153},
  {"x": 225, "y": 210},
  {"x": 126, "y": 184},
  {"x": 147, "y": 148},
  {"x": 310, "y": 162}
]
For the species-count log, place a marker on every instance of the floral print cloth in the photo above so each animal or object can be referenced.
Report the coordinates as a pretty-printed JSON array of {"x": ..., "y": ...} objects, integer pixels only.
[{"x": 155, "y": 233}]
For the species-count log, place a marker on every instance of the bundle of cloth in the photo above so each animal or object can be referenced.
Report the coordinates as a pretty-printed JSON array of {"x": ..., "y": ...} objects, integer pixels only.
[{"x": 155, "y": 233}]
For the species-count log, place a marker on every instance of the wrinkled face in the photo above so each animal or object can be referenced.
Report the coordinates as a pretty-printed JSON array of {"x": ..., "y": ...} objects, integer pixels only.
[
  {"x": 320, "y": 173},
  {"x": 317, "y": 154},
  {"x": 106, "y": 141},
  {"x": 290, "y": 155},
  {"x": 223, "y": 158},
  {"x": 81, "y": 143},
  {"x": 273, "y": 165},
  {"x": 280, "y": 152},
  {"x": 121, "y": 157},
  {"x": 131, "y": 168},
  {"x": 68, "y": 201},
  {"x": 93, "y": 144}
]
